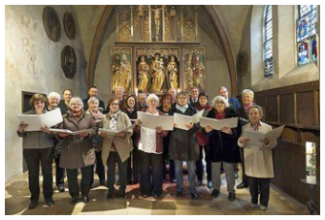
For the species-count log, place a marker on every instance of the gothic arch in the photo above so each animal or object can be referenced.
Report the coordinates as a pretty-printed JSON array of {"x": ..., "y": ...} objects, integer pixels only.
[{"x": 96, "y": 46}]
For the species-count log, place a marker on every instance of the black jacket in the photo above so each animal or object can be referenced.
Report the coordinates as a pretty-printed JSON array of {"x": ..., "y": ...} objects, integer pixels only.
[
  {"x": 222, "y": 146},
  {"x": 183, "y": 144}
]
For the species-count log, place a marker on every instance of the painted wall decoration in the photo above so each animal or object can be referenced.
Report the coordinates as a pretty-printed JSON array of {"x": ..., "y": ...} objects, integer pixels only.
[
  {"x": 69, "y": 25},
  {"x": 242, "y": 64},
  {"x": 69, "y": 62},
  {"x": 51, "y": 23}
]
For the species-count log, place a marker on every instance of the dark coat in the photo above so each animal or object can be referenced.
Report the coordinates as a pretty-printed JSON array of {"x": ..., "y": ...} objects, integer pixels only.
[
  {"x": 63, "y": 107},
  {"x": 242, "y": 118},
  {"x": 194, "y": 104},
  {"x": 183, "y": 144},
  {"x": 77, "y": 152},
  {"x": 222, "y": 146}
]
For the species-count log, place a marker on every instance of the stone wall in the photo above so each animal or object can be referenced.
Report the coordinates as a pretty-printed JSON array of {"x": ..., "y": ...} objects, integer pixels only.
[{"x": 33, "y": 64}]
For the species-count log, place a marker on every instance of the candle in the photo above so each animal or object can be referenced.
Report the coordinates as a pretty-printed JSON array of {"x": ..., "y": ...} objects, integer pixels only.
[
  {"x": 136, "y": 92},
  {"x": 178, "y": 90},
  {"x": 310, "y": 162}
]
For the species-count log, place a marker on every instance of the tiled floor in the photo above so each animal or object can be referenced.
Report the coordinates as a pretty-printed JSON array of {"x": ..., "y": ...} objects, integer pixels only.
[{"x": 17, "y": 200}]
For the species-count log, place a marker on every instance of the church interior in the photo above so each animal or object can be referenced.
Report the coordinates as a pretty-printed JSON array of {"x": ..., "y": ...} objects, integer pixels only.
[{"x": 272, "y": 50}]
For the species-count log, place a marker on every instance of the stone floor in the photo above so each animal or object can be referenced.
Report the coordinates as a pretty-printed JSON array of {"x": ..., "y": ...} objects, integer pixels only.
[{"x": 17, "y": 200}]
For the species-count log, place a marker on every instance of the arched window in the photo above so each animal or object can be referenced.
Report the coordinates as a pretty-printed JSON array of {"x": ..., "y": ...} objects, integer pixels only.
[
  {"x": 268, "y": 40},
  {"x": 306, "y": 34}
]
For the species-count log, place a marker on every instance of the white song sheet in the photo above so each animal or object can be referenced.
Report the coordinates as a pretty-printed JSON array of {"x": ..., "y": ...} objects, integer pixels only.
[
  {"x": 197, "y": 116},
  {"x": 180, "y": 121},
  {"x": 35, "y": 122},
  {"x": 110, "y": 132},
  {"x": 153, "y": 121},
  {"x": 90, "y": 131},
  {"x": 255, "y": 137},
  {"x": 219, "y": 124}
]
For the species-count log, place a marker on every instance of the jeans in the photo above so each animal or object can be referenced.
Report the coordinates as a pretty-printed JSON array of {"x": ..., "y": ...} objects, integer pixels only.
[{"x": 191, "y": 175}]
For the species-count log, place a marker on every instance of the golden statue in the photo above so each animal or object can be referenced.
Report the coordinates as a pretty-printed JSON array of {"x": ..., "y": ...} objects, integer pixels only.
[
  {"x": 115, "y": 70},
  {"x": 188, "y": 72},
  {"x": 143, "y": 70},
  {"x": 156, "y": 11},
  {"x": 158, "y": 76},
  {"x": 198, "y": 73},
  {"x": 123, "y": 77},
  {"x": 172, "y": 73}
]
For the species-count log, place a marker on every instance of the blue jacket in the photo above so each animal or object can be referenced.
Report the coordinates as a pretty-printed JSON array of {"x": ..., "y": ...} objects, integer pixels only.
[{"x": 234, "y": 103}]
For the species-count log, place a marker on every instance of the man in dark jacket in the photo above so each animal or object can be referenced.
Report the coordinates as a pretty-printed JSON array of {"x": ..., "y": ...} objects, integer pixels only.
[
  {"x": 93, "y": 92},
  {"x": 194, "y": 100},
  {"x": 233, "y": 102},
  {"x": 64, "y": 103}
]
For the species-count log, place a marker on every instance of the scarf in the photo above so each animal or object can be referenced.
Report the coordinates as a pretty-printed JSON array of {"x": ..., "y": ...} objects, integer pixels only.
[
  {"x": 219, "y": 116},
  {"x": 182, "y": 108},
  {"x": 256, "y": 127},
  {"x": 113, "y": 122}
]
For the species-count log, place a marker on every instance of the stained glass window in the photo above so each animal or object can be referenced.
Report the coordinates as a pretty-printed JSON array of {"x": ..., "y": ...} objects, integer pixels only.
[
  {"x": 306, "y": 34},
  {"x": 268, "y": 40}
]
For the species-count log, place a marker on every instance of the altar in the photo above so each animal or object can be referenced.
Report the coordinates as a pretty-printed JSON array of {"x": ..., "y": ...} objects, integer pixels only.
[{"x": 157, "y": 48}]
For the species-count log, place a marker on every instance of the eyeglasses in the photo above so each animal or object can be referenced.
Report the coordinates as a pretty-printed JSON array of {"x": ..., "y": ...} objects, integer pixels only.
[{"x": 75, "y": 104}]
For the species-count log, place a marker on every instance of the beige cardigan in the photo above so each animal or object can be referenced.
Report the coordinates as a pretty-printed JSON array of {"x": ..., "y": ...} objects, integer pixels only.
[
  {"x": 258, "y": 160},
  {"x": 123, "y": 145}
]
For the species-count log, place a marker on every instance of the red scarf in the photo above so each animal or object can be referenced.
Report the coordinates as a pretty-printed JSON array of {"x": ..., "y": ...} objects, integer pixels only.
[{"x": 218, "y": 115}]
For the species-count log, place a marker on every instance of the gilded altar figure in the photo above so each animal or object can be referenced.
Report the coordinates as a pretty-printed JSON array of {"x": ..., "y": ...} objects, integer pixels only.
[
  {"x": 115, "y": 71},
  {"x": 124, "y": 77},
  {"x": 156, "y": 11},
  {"x": 158, "y": 76},
  {"x": 198, "y": 73},
  {"x": 143, "y": 70},
  {"x": 188, "y": 72},
  {"x": 172, "y": 71}
]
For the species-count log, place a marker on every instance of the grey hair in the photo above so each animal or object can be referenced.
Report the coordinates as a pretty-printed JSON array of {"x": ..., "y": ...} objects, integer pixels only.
[
  {"x": 197, "y": 89},
  {"x": 182, "y": 93},
  {"x": 223, "y": 88},
  {"x": 248, "y": 91},
  {"x": 92, "y": 99},
  {"x": 259, "y": 108},
  {"x": 73, "y": 99},
  {"x": 54, "y": 94},
  {"x": 219, "y": 98},
  {"x": 152, "y": 96}
]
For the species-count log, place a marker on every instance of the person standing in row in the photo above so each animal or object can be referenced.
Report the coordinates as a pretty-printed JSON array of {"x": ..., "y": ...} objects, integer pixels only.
[
  {"x": 233, "y": 102},
  {"x": 183, "y": 146},
  {"x": 116, "y": 149},
  {"x": 93, "y": 92},
  {"x": 38, "y": 148},
  {"x": 64, "y": 103},
  {"x": 194, "y": 100},
  {"x": 77, "y": 150},
  {"x": 150, "y": 145}
]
